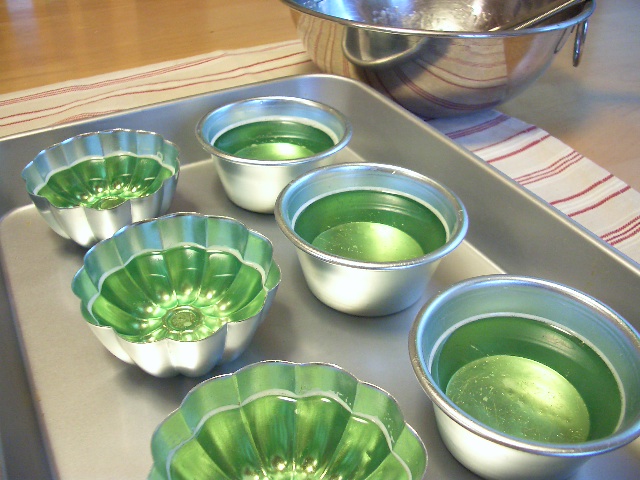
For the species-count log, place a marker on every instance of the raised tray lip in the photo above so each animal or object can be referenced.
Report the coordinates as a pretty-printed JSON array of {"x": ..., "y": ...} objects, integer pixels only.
[
  {"x": 612, "y": 254},
  {"x": 329, "y": 78},
  {"x": 630, "y": 267}
]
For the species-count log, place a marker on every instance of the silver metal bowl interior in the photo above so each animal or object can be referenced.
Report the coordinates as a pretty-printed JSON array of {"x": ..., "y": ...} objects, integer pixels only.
[
  {"x": 486, "y": 451},
  {"x": 254, "y": 184},
  {"x": 436, "y": 58},
  {"x": 362, "y": 287}
]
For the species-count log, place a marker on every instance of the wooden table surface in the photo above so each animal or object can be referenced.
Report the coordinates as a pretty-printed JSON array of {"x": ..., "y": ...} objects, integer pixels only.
[{"x": 594, "y": 108}]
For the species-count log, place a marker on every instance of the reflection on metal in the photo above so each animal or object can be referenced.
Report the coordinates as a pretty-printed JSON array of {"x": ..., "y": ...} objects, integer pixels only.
[
  {"x": 581, "y": 37},
  {"x": 537, "y": 16},
  {"x": 403, "y": 51},
  {"x": 371, "y": 48}
]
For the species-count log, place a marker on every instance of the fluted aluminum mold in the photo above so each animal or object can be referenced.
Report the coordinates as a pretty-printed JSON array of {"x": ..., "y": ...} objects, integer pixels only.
[
  {"x": 136, "y": 333},
  {"x": 289, "y": 421},
  {"x": 255, "y": 184},
  {"x": 87, "y": 225}
]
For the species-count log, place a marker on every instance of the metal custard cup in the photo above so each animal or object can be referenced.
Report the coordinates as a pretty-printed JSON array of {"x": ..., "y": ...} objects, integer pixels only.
[
  {"x": 254, "y": 184},
  {"x": 361, "y": 287},
  {"x": 487, "y": 451}
]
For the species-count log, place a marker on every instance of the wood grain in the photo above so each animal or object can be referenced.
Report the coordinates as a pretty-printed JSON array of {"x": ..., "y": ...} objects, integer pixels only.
[
  {"x": 594, "y": 108},
  {"x": 44, "y": 42}
]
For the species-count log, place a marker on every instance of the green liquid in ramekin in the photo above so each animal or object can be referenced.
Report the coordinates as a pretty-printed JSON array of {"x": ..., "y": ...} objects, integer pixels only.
[
  {"x": 529, "y": 379},
  {"x": 274, "y": 140},
  {"x": 371, "y": 226}
]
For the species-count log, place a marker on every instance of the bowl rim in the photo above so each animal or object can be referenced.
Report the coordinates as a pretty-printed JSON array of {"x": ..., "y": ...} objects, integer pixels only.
[
  {"x": 308, "y": 103},
  {"x": 291, "y": 364},
  {"x": 587, "y": 9},
  {"x": 456, "y": 236},
  {"x": 442, "y": 402}
]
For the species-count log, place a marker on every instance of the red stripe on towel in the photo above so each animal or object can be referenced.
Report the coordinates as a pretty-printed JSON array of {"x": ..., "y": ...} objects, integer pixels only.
[
  {"x": 136, "y": 76},
  {"x": 529, "y": 129},
  {"x": 520, "y": 150},
  {"x": 57, "y": 109},
  {"x": 582, "y": 192},
  {"x": 601, "y": 202},
  {"x": 624, "y": 232},
  {"x": 552, "y": 170},
  {"x": 457, "y": 134}
]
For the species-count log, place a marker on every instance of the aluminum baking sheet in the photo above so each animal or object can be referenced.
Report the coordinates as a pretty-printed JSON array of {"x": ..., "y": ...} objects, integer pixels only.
[{"x": 96, "y": 414}]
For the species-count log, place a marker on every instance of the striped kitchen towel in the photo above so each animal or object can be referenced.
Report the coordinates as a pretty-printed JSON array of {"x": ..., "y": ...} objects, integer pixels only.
[
  {"x": 539, "y": 162},
  {"x": 555, "y": 172}
]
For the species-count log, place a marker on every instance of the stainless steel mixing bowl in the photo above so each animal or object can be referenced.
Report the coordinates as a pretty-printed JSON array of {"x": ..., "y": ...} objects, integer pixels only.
[{"x": 436, "y": 58}]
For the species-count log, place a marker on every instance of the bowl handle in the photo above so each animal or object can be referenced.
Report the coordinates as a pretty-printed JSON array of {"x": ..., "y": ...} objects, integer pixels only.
[{"x": 581, "y": 37}]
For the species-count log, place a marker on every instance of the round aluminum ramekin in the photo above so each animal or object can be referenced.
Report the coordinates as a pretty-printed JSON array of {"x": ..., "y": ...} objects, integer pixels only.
[
  {"x": 368, "y": 288},
  {"x": 255, "y": 184},
  {"x": 486, "y": 451}
]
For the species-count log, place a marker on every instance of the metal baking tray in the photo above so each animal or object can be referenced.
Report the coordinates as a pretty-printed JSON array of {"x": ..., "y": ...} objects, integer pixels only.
[{"x": 92, "y": 416}]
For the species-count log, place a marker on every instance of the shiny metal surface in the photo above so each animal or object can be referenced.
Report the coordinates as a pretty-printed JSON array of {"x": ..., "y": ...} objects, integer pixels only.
[
  {"x": 87, "y": 225},
  {"x": 255, "y": 184},
  {"x": 3, "y": 471},
  {"x": 536, "y": 16},
  {"x": 359, "y": 287},
  {"x": 44, "y": 421},
  {"x": 436, "y": 58},
  {"x": 320, "y": 410},
  {"x": 192, "y": 294},
  {"x": 486, "y": 451}
]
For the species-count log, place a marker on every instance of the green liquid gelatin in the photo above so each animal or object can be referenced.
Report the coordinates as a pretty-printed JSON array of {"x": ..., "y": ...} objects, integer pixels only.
[
  {"x": 528, "y": 378},
  {"x": 185, "y": 293},
  {"x": 281, "y": 421},
  {"x": 274, "y": 140},
  {"x": 188, "y": 290},
  {"x": 324, "y": 432},
  {"x": 105, "y": 183},
  {"x": 521, "y": 397},
  {"x": 371, "y": 226}
]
